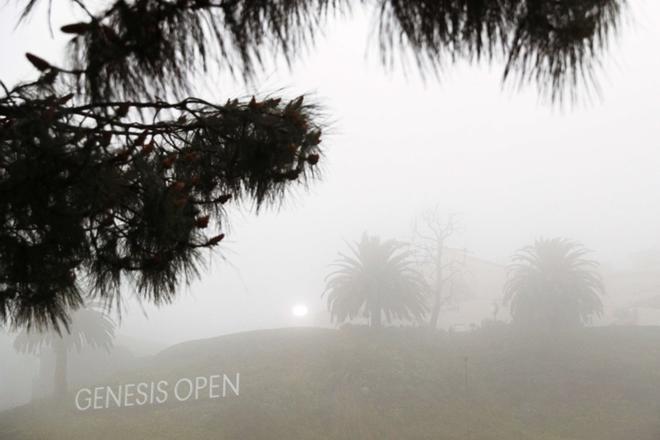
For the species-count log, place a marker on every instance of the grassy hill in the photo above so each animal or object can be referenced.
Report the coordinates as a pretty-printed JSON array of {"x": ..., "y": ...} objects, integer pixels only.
[{"x": 597, "y": 384}]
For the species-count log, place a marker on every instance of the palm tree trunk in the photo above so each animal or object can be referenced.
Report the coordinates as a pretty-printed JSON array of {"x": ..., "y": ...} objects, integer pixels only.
[
  {"x": 61, "y": 367},
  {"x": 376, "y": 318}
]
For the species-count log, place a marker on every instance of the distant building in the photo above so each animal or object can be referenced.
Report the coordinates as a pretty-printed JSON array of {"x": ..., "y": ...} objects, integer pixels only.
[
  {"x": 475, "y": 293},
  {"x": 632, "y": 297}
]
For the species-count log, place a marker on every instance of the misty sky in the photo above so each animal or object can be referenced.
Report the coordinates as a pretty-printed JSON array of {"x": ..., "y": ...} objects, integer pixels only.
[{"x": 515, "y": 168}]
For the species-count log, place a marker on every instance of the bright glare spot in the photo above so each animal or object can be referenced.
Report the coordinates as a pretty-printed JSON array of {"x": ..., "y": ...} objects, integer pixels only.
[{"x": 299, "y": 310}]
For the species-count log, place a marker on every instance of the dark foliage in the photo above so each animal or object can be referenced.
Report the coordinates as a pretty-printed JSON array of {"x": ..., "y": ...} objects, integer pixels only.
[
  {"x": 152, "y": 46},
  {"x": 554, "y": 44},
  {"x": 90, "y": 196}
]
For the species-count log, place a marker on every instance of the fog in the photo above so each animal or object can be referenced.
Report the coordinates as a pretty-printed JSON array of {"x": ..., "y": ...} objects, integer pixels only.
[{"x": 512, "y": 167}]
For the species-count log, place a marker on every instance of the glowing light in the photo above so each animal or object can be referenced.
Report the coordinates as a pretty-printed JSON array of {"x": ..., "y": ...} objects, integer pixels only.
[{"x": 299, "y": 310}]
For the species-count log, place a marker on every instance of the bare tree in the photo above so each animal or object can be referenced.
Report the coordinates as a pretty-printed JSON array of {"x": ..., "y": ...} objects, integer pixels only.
[{"x": 440, "y": 268}]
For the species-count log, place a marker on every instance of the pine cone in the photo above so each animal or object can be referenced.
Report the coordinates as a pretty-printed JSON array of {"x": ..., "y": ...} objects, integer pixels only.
[
  {"x": 202, "y": 222},
  {"x": 224, "y": 198},
  {"x": 76, "y": 28},
  {"x": 178, "y": 186},
  {"x": 41, "y": 64},
  {"x": 169, "y": 161},
  {"x": 313, "y": 159},
  {"x": 215, "y": 240}
]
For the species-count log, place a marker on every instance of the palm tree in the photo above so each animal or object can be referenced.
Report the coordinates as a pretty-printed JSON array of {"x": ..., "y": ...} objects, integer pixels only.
[
  {"x": 88, "y": 328},
  {"x": 377, "y": 279},
  {"x": 552, "y": 284}
]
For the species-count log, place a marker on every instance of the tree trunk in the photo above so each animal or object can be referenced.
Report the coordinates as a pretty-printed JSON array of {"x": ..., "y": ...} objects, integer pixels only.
[
  {"x": 437, "y": 298},
  {"x": 376, "y": 318},
  {"x": 41, "y": 382},
  {"x": 435, "y": 313},
  {"x": 61, "y": 367}
]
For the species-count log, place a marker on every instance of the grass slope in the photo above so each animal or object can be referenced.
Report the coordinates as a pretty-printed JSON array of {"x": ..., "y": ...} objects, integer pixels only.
[{"x": 399, "y": 384}]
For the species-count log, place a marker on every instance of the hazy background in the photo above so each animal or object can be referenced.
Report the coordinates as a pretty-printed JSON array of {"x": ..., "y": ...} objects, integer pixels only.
[{"x": 514, "y": 168}]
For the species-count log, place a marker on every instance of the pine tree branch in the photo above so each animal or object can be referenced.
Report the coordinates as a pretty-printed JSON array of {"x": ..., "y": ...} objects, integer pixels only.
[{"x": 86, "y": 189}]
